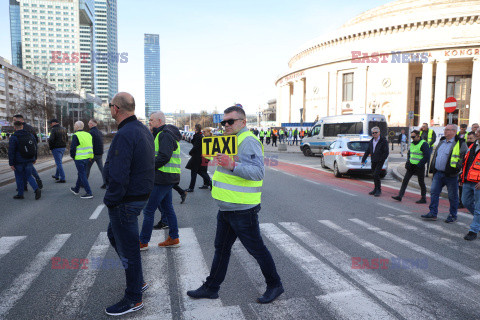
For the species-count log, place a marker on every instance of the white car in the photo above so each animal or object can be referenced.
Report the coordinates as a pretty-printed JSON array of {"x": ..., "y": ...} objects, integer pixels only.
[{"x": 344, "y": 156}]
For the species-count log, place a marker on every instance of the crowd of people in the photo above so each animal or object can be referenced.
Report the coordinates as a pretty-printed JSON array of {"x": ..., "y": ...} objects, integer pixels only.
[{"x": 271, "y": 135}]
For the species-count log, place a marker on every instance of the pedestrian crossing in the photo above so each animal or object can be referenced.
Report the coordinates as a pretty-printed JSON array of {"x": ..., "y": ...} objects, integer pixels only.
[{"x": 321, "y": 253}]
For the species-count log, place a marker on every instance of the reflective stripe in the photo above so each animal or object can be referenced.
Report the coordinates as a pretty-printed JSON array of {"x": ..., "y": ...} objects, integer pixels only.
[
  {"x": 174, "y": 164},
  {"x": 235, "y": 188},
  {"x": 85, "y": 144},
  {"x": 86, "y": 148},
  {"x": 84, "y": 153}
]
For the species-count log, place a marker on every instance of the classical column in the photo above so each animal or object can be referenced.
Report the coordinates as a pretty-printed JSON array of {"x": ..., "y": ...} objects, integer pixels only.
[
  {"x": 440, "y": 92},
  {"x": 360, "y": 90},
  {"x": 426, "y": 95},
  {"x": 475, "y": 93}
]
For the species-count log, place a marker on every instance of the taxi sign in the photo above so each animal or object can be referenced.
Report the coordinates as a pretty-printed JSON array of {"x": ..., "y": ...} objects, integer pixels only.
[{"x": 219, "y": 144}]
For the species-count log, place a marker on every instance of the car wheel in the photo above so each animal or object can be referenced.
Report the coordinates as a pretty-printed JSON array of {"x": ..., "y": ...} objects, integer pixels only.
[
  {"x": 336, "y": 172},
  {"x": 322, "y": 162},
  {"x": 307, "y": 152}
]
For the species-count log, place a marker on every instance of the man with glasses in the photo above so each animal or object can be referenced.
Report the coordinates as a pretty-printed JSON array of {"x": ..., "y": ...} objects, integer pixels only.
[
  {"x": 378, "y": 150},
  {"x": 446, "y": 165},
  {"x": 417, "y": 156},
  {"x": 237, "y": 190}
]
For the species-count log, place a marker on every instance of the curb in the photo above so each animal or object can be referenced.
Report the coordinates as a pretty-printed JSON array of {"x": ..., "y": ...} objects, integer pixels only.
[{"x": 414, "y": 183}]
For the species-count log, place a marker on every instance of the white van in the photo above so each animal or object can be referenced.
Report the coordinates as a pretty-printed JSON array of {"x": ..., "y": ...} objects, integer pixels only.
[{"x": 326, "y": 130}]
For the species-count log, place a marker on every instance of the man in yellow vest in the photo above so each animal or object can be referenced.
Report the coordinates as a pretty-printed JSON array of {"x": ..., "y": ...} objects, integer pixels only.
[
  {"x": 237, "y": 189},
  {"x": 81, "y": 150},
  {"x": 167, "y": 174},
  {"x": 446, "y": 165},
  {"x": 430, "y": 136},
  {"x": 417, "y": 156}
]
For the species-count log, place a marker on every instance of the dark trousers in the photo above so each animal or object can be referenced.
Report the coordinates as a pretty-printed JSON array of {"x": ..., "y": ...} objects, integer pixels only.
[
  {"x": 428, "y": 162},
  {"x": 203, "y": 174},
  {"x": 177, "y": 188},
  {"x": 98, "y": 159},
  {"x": 377, "y": 170},
  {"x": 123, "y": 235},
  {"x": 421, "y": 181},
  {"x": 23, "y": 173},
  {"x": 295, "y": 140},
  {"x": 438, "y": 182},
  {"x": 34, "y": 174},
  {"x": 274, "y": 141},
  {"x": 261, "y": 140},
  {"x": 82, "y": 180},
  {"x": 244, "y": 225}
]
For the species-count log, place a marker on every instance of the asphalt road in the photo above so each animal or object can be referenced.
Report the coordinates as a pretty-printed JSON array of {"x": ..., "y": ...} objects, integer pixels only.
[{"x": 320, "y": 230}]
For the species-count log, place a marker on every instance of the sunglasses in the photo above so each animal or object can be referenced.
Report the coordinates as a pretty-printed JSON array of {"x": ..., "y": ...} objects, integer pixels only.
[
  {"x": 113, "y": 105},
  {"x": 229, "y": 121},
  {"x": 413, "y": 137},
  {"x": 375, "y": 132}
]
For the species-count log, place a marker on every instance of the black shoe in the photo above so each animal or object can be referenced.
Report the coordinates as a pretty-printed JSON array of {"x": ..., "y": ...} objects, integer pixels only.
[
  {"x": 75, "y": 192},
  {"x": 40, "y": 183},
  {"x": 461, "y": 206},
  {"x": 55, "y": 178},
  {"x": 25, "y": 188},
  {"x": 86, "y": 196},
  {"x": 205, "y": 186},
  {"x": 38, "y": 194},
  {"x": 398, "y": 198},
  {"x": 160, "y": 225},
  {"x": 429, "y": 216},
  {"x": 123, "y": 307},
  {"x": 271, "y": 294},
  {"x": 203, "y": 292},
  {"x": 189, "y": 190},
  {"x": 183, "y": 196},
  {"x": 450, "y": 219},
  {"x": 60, "y": 181},
  {"x": 18, "y": 197},
  {"x": 470, "y": 236},
  {"x": 378, "y": 193},
  {"x": 372, "y": 192},
  {"x": 422, "y": 200},
  {"x": 104, "y": 186}
]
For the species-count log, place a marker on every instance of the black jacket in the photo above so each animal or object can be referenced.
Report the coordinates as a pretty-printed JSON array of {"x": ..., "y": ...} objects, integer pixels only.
[
  {"x": 30, "y": 129},
  {"x": 424, "y": 136},
  {"x": 197, "y": 163},
  {"x": 129, "y": 168},
  {"x": 381, "y": 151},
  {"x": 58, "y": 137},
  {"x": 450, "y": 171},
  {"x": 14, "y": 156},
  {"x": 167, "y": 143},
  {"x": 97, "y": 139}
]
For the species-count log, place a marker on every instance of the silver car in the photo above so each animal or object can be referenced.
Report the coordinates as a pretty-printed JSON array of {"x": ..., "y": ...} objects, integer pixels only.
[{"x": 344, "y": 156}]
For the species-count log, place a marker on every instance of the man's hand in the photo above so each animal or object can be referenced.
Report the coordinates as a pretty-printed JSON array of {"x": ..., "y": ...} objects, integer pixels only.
[
  {"x": 225, "y": 161},
  {"x": 13, "y": 168}
]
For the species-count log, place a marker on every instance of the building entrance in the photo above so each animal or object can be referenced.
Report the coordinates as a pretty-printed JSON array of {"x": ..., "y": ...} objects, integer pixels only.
[{"x": 460, "y": 87}]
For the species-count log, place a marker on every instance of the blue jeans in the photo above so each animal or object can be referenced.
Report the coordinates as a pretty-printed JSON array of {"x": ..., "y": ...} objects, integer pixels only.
[
  {"x": 58, "y": 155},
  {"x": 82, "y": 180},
  {"x": 98, "y": 159},
  {"x": 123, "y": 235},
  {"x": 23, "y": 172},
  {"x": 438, "y": 182},
  {"x": 244, "y": 225},
  {"x": 471, "y": 201},
  {"x": 161, "y": 197}
]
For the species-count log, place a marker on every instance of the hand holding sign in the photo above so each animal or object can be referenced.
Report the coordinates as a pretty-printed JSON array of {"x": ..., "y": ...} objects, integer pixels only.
[{"x": 225, "y": 161}]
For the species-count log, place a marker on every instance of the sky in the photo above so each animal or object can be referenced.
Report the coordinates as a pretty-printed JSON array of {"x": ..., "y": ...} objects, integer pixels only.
[{"x": 216, "y": 53}]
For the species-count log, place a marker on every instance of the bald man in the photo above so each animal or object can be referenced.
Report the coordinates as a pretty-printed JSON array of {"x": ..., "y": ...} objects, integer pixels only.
[
  {"x": 81, "y": 151},
  {"x": 129, "y": 173}
]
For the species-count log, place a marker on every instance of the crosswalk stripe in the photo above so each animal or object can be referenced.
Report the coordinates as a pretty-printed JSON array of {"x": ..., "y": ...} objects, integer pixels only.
[
  {"x": 447, "y": 242},
  {"x": 393, "y": 208},
  {"x": 250, "y": 265},
  {"x": 425, "y": 276},
  {"x": 8, "y": 243},
  {"x": 455, "y": 265},
  {"x": 294, "y": 308},
  {"x": 341, "y": 297},
  {"x": 214, "y": 313},
  {"x": 22, "y": 283},
  {"x": 97, "y": 212},
  {"x": 76, "y": 297},
  {"x": 155, "y": 272},
  {"x": 402, "y": 299}
]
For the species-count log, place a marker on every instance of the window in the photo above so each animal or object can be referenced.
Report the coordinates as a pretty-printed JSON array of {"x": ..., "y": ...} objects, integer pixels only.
[
  {"x": 381, "y": 125},
  {"x": 347, "y": 93},
  {"x": 358, "y": 145},
  {"x": 316, "y": 130},
  {"x": 334, "y": 129}
]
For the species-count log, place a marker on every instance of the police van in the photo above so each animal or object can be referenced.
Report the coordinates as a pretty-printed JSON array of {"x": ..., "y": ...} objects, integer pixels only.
[{"x": 326, "y": 130}]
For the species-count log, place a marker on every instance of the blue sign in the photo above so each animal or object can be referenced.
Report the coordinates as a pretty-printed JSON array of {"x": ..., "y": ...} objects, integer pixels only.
[{"x": 217, "y": 118}]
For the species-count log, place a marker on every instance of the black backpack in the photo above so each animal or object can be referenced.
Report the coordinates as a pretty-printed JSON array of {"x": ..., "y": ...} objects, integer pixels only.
[{"x": 27, "y": 146}]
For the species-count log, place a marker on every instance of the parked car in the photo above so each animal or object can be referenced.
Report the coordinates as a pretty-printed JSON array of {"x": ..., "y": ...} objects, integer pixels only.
[{"x": 344, "y": 156}]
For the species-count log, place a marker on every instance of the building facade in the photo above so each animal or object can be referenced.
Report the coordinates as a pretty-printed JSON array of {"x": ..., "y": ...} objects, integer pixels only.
[
  {"x": 402, "y": 59},
  {"x": 152, "y": 73}
]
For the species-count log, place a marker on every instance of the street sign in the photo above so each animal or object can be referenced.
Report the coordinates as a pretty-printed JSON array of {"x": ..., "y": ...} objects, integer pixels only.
[
  {"x": 450, "y": 104},
  {"x": 217, "y": 118},
  {"x": 219, "y": 144}
]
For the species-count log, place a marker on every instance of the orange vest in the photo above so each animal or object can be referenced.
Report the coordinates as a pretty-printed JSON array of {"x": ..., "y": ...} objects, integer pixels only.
[{"x": 474, "y": 171}]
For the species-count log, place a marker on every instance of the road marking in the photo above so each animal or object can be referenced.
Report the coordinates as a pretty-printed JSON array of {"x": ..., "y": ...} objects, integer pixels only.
[
  {"x": 435, "y": 256},
  {"x": 8, "y": 243},
  {"x": 250, "y": 265},
  {"x": 76, "y": 298},
  {"x": 350, "y": 194},
  {"x": 214, "y": 313},
  {"x": 314, "y": 182},
  {"x": 393, "y": 208},
  {"x": 20, "y": 285},
  {"x": 343, "y": 298},
  {"x": 97, "y": 211},
  {"x": 295, "y": 308}
]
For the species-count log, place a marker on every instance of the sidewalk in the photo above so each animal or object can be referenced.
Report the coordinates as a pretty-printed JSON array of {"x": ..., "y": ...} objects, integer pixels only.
[{"x": 290, "y": 149}]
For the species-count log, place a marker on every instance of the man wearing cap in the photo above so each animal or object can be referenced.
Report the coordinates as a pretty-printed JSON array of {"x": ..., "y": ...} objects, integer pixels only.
[{"x": 57, "y": 143}]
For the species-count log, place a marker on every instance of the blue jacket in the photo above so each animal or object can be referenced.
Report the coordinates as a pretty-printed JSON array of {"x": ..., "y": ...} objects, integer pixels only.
[
  {"x": 97, "y": 138},
  {"x": 14, "y": 156},
  {"x": 130, "y": 166}
]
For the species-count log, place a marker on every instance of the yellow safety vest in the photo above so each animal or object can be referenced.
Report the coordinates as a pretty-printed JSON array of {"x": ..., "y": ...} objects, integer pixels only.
[
  {"x": 174, "y": 164},
  {"x": 228, "y": 187},
  {"x": 85, "y": 148},
  {"x": 416, "y": 154},
  {"x": 455, "y": 155},
  {"x": 430, "y": 137}
]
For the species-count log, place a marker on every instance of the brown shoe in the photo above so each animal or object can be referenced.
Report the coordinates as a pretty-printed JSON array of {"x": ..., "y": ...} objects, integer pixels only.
[
  {"x": 143, "y": 246},
  {"x": 170, "y": 243}
]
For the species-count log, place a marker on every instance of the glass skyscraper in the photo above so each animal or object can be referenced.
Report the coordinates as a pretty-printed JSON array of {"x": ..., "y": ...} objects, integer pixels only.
[
  {"x": 16, "y": 33},
  {"x": 152, "y": 73}
]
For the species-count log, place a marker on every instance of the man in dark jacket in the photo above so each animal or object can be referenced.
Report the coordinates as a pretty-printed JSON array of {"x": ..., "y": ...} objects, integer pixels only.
[
  {"x": 446, "y": 165},
  {"x": 378, "y": 149},
  {"x": 97, "y": 137},
  {"x": 57, "y": 143},
  {"x": 167, "y": 174},
  {"x": 196, "y": 163},
  {"x": 129, "y": 173},
  {"x": 22, "y": 154},
  {"x": 417, "y": 156},
  {"x": 29, "y": 128}
]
